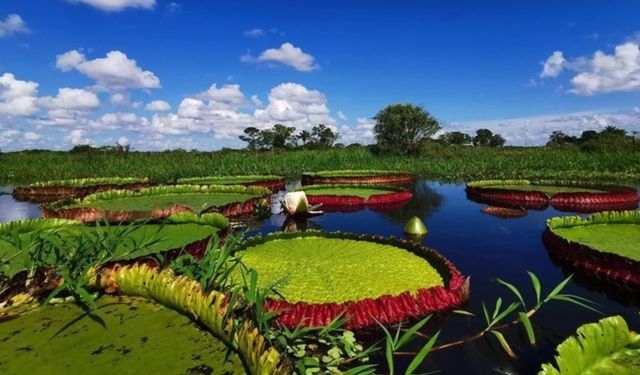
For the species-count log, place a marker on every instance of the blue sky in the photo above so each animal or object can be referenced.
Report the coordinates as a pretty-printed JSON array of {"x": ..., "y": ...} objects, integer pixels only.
[{"x": 142, "y": 72}]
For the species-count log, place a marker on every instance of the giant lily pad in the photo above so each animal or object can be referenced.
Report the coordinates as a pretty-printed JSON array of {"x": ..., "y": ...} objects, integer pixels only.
[
  {"x": 274, "y": 183},
  {"x": 562, "y": 195},
  {"x": 604, "y": 243},
  {"x": 375, "y": 177},
  {"x": 137, "y": 337},
  {"x": 50, "y": 191},
  {"x": 160, "y": 202},
  {"x": 339, "y": 196},
  {"x": 180, "y": 231},
  {"x": 321, "y": 275}
]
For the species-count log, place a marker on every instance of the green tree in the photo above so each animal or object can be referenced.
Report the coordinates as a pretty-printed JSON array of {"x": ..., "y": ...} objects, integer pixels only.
[
  {"x": 401, "y": 127},
  {"x": 482, "y": 138},
  {"x": 323, "y": 136},
  {"x": 252, "y": 137},
  {"x": 455, "y": 138},
  {"x": 497, "y": 141},
  {"x": 282, "y": 136},
  {"x": 304, "y": 137}
]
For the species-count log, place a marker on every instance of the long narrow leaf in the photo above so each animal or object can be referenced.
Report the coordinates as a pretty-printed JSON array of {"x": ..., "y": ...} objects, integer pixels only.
[{"x": 422, "y": 354}]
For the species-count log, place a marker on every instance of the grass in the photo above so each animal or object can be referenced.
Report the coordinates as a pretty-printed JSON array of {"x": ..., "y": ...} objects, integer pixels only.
[
  {"x": 173, "y": 236},
  {"x": 196, "y": 201},
  {"x": 137, "y": 337},
  {"x": 620, "y": 238},
  {"x": 321, "y": 270},
  {"x": 357, "y": 191},
  {"x": 436, "y": 162},
  {"x": 549, "y": 190}
]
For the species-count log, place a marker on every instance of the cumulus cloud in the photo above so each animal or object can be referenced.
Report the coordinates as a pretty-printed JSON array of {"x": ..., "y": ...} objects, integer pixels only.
[
  {"x": 602, "y": 73},
  {"x": 13, "y": 24},
  {"x": 535, "y": 130},
  {"x": 287, "y": 54},
  {"x": 31, "y": 136},
  {"x": 73, "y": 99},
  {"x": 117, "y": 5},
  {"x": 553, "y": 66},
  {"x": 361, "y": 133},
  {"x": 342, "y": 116},
  {"x": 17, "y": 97},
  {"x": 123, "y": 141},
  {"x": 119, "y": 121},
  {"x": 158, "y": 106},
  {"x": 113, "y": 73},
  {"x": 77, "y": 137}
]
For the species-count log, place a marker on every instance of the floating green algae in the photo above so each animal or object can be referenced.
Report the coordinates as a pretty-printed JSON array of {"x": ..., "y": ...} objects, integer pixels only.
[
  {"x": 616, "y": 238},
  {"x": 323, "y": 270},
  {"x": 138, "y": 337},
  {"x": 170, "y": 236}
]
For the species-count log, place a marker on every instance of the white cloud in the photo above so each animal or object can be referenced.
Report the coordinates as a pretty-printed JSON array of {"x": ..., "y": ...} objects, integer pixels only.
[
  {"x": 602, "y": 73},
  {"x": 553, "y": 66},
  {"x": 114, "y": 73},
  {"x": 31, "y": 136},
  {"x": 256, "y": 101},
  {"x": 13, "y": 24},
  {"x": 8, "y": 136},
  {"x": 535, "y": 130},
  {"x": 77, "y": 137},
  {"x": 117, "y": 5},
  {"x": 73, "y": 99},
  {"x": 123, "y": 141},
  {"x": 17, "y": 97},
  {"x": 227, "y": 96},
  {"x": 362, "y": 133},
  {"x": 158, "y": 106},
  {"x": 342, "y": 116},
  {"x": 119, "y": 98},
  {"x": 287, "y": 54},
  {"x": 255, "y": 33},
  {"x": 118, "y": 121}
]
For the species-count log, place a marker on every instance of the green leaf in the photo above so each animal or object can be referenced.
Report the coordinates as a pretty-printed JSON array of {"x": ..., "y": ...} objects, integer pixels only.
[
  {"x": 361, "y": 370},
  {"x": 463, "y": 312},
  {"x": 389, "y": 354},
  {"x": 526, "y": 323},
  {"x": 575, "y": 300},
  {"x": 558, "y": 289},
  {"x": 513, "y": 289},
  {"x": 410, "y": 332},
  {"x": 503, "y": 342},
  {"x": 422, "y": 354},
  {"x": 605, "y": 347},
  {"x": 536, "y": 285}
]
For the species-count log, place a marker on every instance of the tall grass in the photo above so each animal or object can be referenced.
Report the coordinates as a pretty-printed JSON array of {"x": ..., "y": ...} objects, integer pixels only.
[{"x": 437, "y": 162}]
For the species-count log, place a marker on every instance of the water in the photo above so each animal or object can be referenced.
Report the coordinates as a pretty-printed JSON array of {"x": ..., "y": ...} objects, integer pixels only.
[{"x": 481, "y": 246}]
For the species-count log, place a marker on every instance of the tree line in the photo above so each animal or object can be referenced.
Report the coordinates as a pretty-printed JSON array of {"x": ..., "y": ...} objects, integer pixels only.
[
  {"x": 610, "y": 138},
  {"x": 399, "y": 128}
]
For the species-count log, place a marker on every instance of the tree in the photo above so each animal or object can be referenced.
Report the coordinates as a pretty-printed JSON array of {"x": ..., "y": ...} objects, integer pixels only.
[
  {"x": 282, "y": 136},
  {"x": 304, "y": 136},
  {"x": 558, "y": 138},
  {"x": 401, "y": 127},
  {"x": 455, "y": 138},
  {"x": 252, "y": 137},
  {"x": 323, "y": 136},
  {"x": 482, "y": 138},
  {"x": 497, "y": 141}
]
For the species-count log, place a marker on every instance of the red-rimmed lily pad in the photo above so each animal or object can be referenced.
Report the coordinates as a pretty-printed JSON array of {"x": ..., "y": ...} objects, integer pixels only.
[
  {"x": 50, "y": 191},
  {"x": 162, "y": 201},
  {"x": 604, "y": 244},
  {"x": 275, "y": 183},
  {"x": 321, "y": 275},
  {"x": 355, "y": 197},
  {"x": 562, "y": 195},
  {"x": 359, "y": 177}
]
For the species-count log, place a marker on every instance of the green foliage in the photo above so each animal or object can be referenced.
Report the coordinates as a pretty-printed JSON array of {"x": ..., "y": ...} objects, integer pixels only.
[
  {"x": 401, "y": 127},
  {"x": 609, "y": 139},
  {"x": 605, "y": 347},
  {"x": 443, "y": 163},
  {"x": 215, "y": 267},
  {"x": 455, "y": 138},
  {"x": 395, "y": 342},
  {"x": 363, "y": 191},
  {"x": 226, "y": 180},
  {"x": 486, "y": 138}
]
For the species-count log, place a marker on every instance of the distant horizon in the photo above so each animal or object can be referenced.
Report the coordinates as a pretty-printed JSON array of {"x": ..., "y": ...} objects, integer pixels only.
[{"x": 157, "y": 75}]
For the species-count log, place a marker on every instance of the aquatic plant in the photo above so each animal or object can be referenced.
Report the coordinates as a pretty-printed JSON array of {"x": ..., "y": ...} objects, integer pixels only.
[
  {"x": 295, "y": 203},
  {"x": 375, "y": 177},
  {"x": 561, "y": 194},
  {"x": 272, "y": 182},
  {"x": 603, "y": 243},
  {"x": 159, "y": 202},
  {"x": 355, "y": 195},
  {"x": 76, "y": 188},
  {"x": 605, "y": 347},
  {"x": 211, "y": 309},
  {"x": 314, "y": 296}
]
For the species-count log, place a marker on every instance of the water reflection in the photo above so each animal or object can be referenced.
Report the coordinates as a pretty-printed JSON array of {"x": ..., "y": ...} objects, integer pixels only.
[
  {"x": 425, "y": 201},
  {"x": 11, "y": 210}
]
